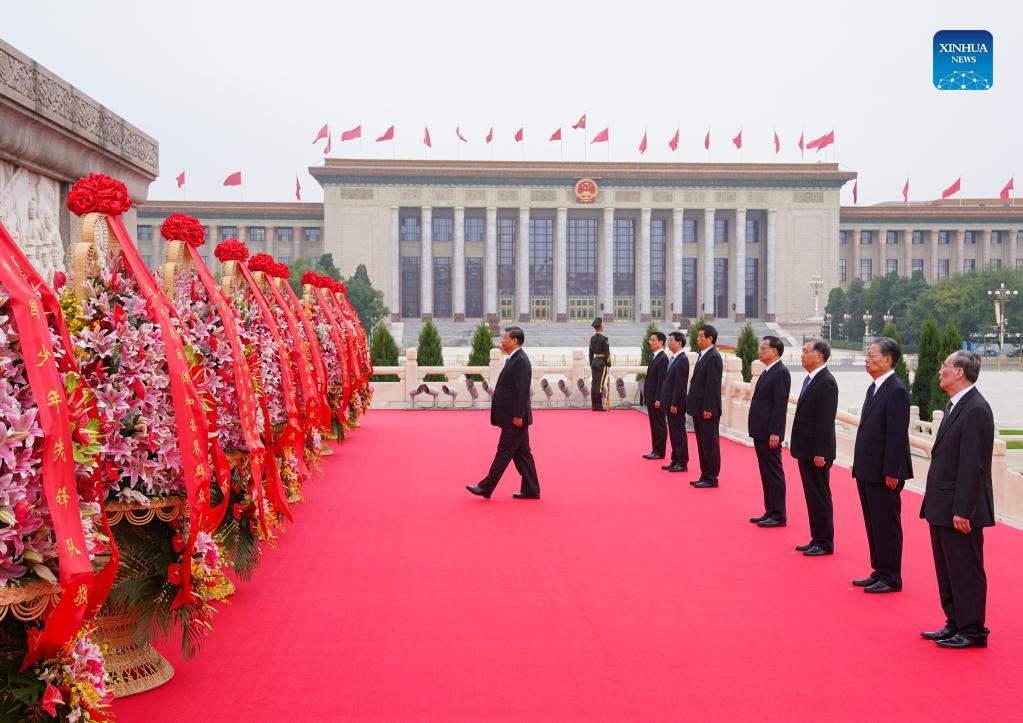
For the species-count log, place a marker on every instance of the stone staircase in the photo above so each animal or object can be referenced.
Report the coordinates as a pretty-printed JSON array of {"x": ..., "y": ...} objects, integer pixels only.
[{"x": 547, "y": 334}]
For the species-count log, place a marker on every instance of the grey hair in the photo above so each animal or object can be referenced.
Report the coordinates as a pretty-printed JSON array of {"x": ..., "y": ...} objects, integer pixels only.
[
  {"x": 887, "y": 346},
  {"x": 821, "y": 347},
  {"x": 969, "y": 362}
]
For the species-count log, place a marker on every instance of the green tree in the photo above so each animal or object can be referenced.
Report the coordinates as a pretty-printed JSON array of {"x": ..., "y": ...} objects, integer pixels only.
[
  {"x": 482, "y": 343},
  {"x": 949, "y": 342},
  {"x": 323, "y": 265},
  {"x": 644, "y": 348},
  {"x": 383, "y": 352},
  {"x": 431, "y": 353},
  {"x": 856, "y": 307},
  {"x": 367, "y": 301},
  {"x": 746, "y": 349},
  {"x": 694, "y": 330},
  {"x": 326, "y": 262},
  {"x": 927, "y": 366},
  {"x": 901, "y": 370}
]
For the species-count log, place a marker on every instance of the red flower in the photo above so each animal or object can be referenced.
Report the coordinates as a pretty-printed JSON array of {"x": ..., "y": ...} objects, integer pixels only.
[
  {"x": 311, "y": 278},
  {"x": 231, "y": 250},
  {"x": 59, "y": 279},
  {"x": 237, "y": 511},
  {"x": 51, "y": 699},
  {"x": 174, "y": 573},
  {"x": 182, "y": 227},
  {"x": 178, "y": 541},
  {"x": 98, "y": 193},
  {"x": 282, "y": 271},
  {"x": 262, "y": 262}
]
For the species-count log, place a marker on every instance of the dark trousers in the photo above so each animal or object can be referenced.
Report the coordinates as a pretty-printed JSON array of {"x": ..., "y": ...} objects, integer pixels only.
[
  {"x": 817, "y": 489},
  {"x": 658, "y": 429},
  {"x": 708, "y": 446},
  {"x": 962, "y": 583},
  {"x": 677, "y": 434},
  {"x": 772, "y": 477},
  {"x": 597, "y": 388},
  {"x": 513, "y": 446},
  {"x": 882, "y": 516}
]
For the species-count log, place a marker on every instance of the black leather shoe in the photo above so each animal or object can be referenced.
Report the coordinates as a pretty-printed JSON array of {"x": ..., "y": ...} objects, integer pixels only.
[
  {"x": 678, "y": 468},
  {"x": 653, "y": 455},
  {"x": 936, "y": 635},
  {"x": 667, "y": 466},
  {"x": 866, "y": 581},
  {"x": 525, "y": 496},
  {"x": 694, "y": 482},
  {"x": 881, "y": 586},
  {"x": 770, "y": 522},
  {"x": 817, "y": 551},
  {"x": 755, "y": 520},
  {"x": 478, "y": 491},
  {"x": 958, "y": 641},
  {"x": 703, "y": 485},
  {"x": 804, "y": 548}
]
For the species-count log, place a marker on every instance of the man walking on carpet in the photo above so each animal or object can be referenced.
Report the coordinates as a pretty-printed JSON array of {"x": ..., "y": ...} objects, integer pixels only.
[{"x": 510, "y": 410}]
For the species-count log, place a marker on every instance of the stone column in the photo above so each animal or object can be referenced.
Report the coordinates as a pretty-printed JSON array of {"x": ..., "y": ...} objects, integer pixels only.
[
  {"x": 907, "y": 253},
  {"x": 740, "y": 264},
  {"x": 958, "y": 253},
  {"x": 854, "y": 254},
  {"x": 677, "y": 245},
  {"x": 643, "y": 278},
  {"x": 772, "y": 254},
  {"x": 607, "y": 256},
  {"x": 1009, "y": 248},
  {"x": 522, "y": 266},
  {"x": 395, "y": 266},
  {"x": 984, "y": 250},
  {"x": 490, "y": 266},
  {"x": 426, "y": 265},
  {"x": 708, "y": 263},
  {"x": 561, "y": 266},
  {"x": 458, "y": 262},
  {"x": 934, "y": 253}
]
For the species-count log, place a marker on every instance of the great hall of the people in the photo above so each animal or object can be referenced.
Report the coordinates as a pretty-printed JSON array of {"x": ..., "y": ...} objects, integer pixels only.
[{"x": 534, "y": 241}]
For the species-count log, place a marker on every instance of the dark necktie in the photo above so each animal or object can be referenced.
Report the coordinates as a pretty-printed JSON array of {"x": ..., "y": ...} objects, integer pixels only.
[
  {"x": 944, "y": 420},
  {"x": 806, "y": 383},
  {"x": 870, "y": 393}
]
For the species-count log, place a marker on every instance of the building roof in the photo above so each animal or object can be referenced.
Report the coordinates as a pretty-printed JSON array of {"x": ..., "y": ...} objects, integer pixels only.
[
  {"x": 967, "y": 210},
  {"x": 552, "y": 173},
  {"x": 246, "y": 210}
]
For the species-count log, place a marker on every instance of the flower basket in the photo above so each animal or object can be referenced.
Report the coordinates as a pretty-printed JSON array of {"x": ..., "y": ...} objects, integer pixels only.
[
  {"x": 135, "y": 665},
  {"x": 29, "y": 601}
]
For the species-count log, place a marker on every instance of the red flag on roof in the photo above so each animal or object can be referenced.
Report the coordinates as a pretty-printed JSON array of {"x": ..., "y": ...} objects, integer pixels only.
[
  {"x": 324, "y": 132},
  {"x": 706, "y": 141},
  {"x": 601, "y": 137},
  {"x": 518, "y": 135},
  {"x": 181, "y": 179},
  {"x": 777, "y": 143},
  {"x": 555, "y": 136},
  {"x": 823, "y": 142},
  {"x": 490, "y": 135},
  {"x": 459, "y": 136},
  {"x": 581, "y": 123},
  {"x": 1004, "y": 195},
  {"x": 298, "y": 189},
  {"x": 642, "y": 144},
  {"x": 326, "y": 148},
  {"x": 856, "y": 190},
  {"x": 235, "y": 179},
  {"x": 801, "y": 145},
  {"x": 673, "y": 143},
  {"x": 387, "y": 136},
  {"x": 738, "y": 140},
  {"x": 352, "y": 133},
  {"x": 905, "y": 192},
  {"x": 426, "y": 137},
  {"x": 951, "y": 190}
]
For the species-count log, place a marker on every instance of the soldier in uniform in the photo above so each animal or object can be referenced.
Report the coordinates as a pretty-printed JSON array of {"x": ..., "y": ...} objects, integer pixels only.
[{"x": 600, "y": 361}]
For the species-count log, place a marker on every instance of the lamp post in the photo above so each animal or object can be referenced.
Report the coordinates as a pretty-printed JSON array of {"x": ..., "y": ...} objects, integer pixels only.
[
  {"x": 889, "y": 317},
  {"x": 827, "y": 320},
  {"x": 867, "y": 318},
  {"x": 846, "y": 318},
  {"x": 1001, "y": 297},
  {"x": 816, "y": 284}
]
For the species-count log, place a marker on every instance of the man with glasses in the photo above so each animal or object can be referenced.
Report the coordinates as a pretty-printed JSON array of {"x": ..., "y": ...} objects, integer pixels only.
[
  {"x": 673, "y": 402},
  {"x": 813, "y": 445},
  {"x": 959, "y": 503},
  {"x": 768, "y": 411},
  {"x": 703, "y": 402},
  {"x": 881, "y": 466}
]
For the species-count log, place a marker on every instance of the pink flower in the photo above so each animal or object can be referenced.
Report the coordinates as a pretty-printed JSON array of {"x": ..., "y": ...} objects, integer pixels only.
[{"x": 51, "y": 699}]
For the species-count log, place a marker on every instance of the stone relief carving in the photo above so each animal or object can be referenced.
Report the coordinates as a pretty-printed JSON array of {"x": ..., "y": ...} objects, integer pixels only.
[{"x": 29, "y": 210}]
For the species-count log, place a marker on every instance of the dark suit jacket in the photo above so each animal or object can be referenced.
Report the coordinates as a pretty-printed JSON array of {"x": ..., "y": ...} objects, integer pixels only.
[
  {"x": 673, "y": 389},
  {"x": 770, "y": 403},
  {"x": 705, "y": 388},
  {"x": 959, "y": 480},
  {"x": 882, "y": 440},
  {"x": 511, "y": 393},
  {"x": 813, "y": 428},
  {"x": 655, "y": 372}
]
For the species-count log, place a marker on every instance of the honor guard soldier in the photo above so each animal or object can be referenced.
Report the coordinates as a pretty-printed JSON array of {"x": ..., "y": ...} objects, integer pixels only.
[{"x": 600, "y": 361}]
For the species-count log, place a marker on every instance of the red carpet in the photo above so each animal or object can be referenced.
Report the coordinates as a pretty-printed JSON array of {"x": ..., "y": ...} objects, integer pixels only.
[{"x": 622, "y": 594}]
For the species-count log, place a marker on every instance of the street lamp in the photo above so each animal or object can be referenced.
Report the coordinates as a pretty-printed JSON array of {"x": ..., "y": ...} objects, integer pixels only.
[
  {"x": 827, "y": 320},
  {"x": 867, "y": 318},
  {"x": 889, "y": 317},
  {"x": 1001, "y": 297},
  {"x": 846, "y": 318},
  {"x": 816, "y": 283}
]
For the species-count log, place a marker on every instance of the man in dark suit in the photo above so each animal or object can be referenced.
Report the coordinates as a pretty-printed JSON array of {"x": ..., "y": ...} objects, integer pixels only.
[
  {"x": 881, "y": 466},
  {"x": 672, "y": 400},
  {"x": 655, "y": 371},
  {"x": 510, "y": 410},
  {"x": 768, "y": 412},
  {"x": 704, "y": 404},
  {"x": 813, "y": 445},
  {"x": 600, "y": 362},
  {"x": 959, "y": 503}
]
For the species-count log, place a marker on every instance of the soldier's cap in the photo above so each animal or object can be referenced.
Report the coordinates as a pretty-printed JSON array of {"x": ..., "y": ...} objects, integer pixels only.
[{"x": 597, "y": 323}]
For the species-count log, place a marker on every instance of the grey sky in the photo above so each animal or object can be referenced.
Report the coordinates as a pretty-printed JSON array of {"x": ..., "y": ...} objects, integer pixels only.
[{"x": 228, "y": 86}]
